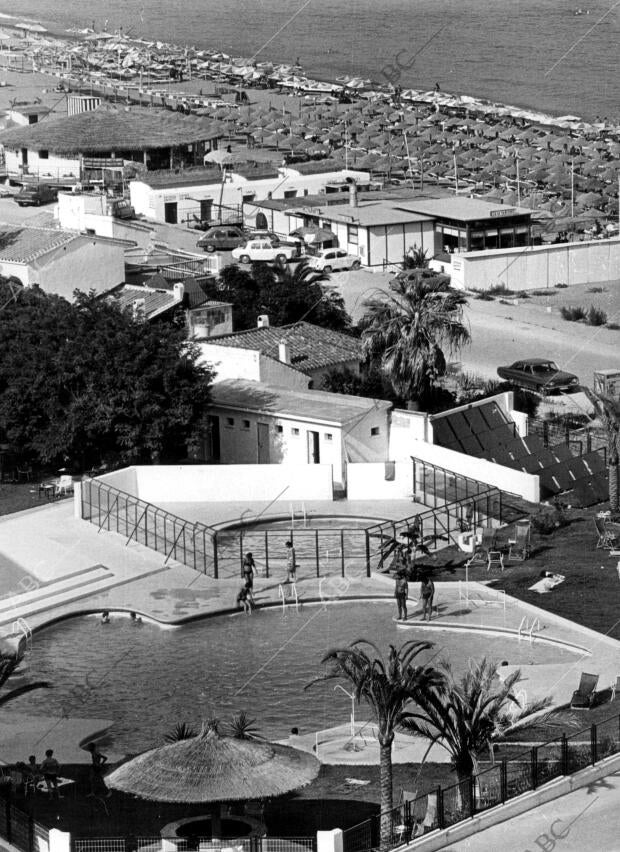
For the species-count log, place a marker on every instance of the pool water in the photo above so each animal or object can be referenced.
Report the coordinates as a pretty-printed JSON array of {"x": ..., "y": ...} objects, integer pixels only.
[{"x": 147, "y": 679}]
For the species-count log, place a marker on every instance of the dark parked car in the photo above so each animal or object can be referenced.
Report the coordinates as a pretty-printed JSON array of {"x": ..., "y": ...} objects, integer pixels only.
[
  {"x": 222, "y": 238},
  {"x": 36, "y": 195},
  {"x": 538, "y": 374}
]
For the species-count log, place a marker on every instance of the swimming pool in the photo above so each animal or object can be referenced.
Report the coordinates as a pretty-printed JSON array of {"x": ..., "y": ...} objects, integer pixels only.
[
  {"x": 148, "y": 679},
  {"x": 324, "y": 544}
]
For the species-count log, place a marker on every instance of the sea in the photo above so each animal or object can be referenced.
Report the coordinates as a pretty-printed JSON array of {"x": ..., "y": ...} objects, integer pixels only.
[{"x": 547, "y": 55}]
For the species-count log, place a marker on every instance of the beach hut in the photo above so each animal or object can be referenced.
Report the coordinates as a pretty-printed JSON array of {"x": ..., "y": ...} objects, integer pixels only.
[{"x": 214, "y": 769}]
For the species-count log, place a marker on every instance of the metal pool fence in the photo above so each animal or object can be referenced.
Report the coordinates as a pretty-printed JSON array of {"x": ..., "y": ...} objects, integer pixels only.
[
  {"x": 194, "y": 844},
  {"x": 347, "y": 551},
  {"x": 527, "y": 769},
  {"x": 20, "y": 829}
]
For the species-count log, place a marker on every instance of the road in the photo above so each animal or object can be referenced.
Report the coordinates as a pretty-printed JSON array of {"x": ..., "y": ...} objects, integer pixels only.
[{"x": 502, "y": 333}]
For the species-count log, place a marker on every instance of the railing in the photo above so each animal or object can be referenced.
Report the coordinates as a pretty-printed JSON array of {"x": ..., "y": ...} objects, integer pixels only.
[
  {"x": 441, "y": 527},
  {"x": 109, "y": 508},
  {"x": 527, "y": 769},
  {"x": 435, "y": 486},
  {"x": 581, "y": 439},
  {"x": 21, "y": 829},
  {"x": 193, "y": 844}
]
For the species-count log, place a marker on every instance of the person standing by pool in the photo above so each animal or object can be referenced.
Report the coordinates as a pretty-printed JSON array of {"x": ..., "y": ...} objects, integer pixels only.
[
  {"x": 401, "y": 590},
  {"x": 291, "y": 563},
  {"x": 98, "y": 761},
  {"x": 249, "y": 569},
  {"x": 51, "y": 770},
  {"x": 427, "y": 592}
]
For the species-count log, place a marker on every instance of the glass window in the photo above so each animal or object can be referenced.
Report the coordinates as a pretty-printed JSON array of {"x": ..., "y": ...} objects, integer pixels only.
[
  {"x": 374, "y": 431},
  {"x": 245, "y": 424},
  {"x": 352, "y": 234},
  {"x": 328, "y": 436},
  {"x": 477, "y": 241},
  {"x": 279, "y": 429},
  {"x": 230, "y": 421},
  {"x": 294, "y": 431}
]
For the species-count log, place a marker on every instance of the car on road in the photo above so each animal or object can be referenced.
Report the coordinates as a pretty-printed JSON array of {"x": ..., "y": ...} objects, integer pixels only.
[
  {"x": 264, "y": 249},
  {"x": 538, "y": 374},
  {"x": 35, "y": 195},
  {"x": 328, "y": 259},
  {"x": 222, "y": 238}
]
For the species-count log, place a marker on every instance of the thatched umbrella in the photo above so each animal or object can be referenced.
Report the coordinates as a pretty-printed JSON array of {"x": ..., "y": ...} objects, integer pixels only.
[{"x": 215, "y": 768}]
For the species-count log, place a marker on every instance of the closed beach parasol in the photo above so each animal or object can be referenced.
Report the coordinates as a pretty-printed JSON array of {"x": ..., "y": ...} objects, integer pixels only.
[{"x": 215, "y": 768}]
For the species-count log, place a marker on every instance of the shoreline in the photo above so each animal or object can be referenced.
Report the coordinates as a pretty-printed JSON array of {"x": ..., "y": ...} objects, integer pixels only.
[{"x": 453, "y": 99}]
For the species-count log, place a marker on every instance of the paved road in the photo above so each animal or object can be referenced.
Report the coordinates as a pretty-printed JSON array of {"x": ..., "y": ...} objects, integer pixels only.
[{"x": 584, "y": 821}]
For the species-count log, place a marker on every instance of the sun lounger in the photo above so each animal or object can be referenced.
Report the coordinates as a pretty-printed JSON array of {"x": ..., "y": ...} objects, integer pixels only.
[
  {"x": 606, "y": 536},
  {"x": 583, "y": 696}
]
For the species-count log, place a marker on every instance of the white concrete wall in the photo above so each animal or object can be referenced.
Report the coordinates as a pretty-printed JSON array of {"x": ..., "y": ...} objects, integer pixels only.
[
  {"x": 125, "y": 479},
  {"x": 504, "y": 478},
  {"x": 232, "y": 363},
  {"x": 239, "y": 443},
  {"x": 53, "y": 167},
  {"x": 196, "y": 483},
  {"x": 367, "y": 481},
  {"x": 150, "y": 202},
  {"x": 538, "y": 266},
  {"x": 405, "y": 427},
  {"x": 361, "y": 444}
]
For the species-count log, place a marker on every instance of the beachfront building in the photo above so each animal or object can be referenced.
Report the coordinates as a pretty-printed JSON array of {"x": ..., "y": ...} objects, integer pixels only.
[
  {"x": 220, "y": 195},
  {"x": 106, "y": 144},
  {"x": 298, "y": 355},
  {"x": 61, "y": 261},
  {"x": 254, "y": 422},
  {"x": 382, "y": 231}
]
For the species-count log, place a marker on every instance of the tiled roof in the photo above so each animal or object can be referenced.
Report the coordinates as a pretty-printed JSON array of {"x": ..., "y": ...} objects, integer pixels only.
[
  {"x": 311, "y": 347},
  {"x": 336, "y": 408},
  {"x": 150, "y": 302},
  {"x": 25, "y": 244}
]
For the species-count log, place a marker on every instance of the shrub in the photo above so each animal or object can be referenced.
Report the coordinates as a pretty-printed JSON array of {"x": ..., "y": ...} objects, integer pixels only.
[
  {"x": 595, "y": 290},
  {"x": 561, "y": 285},
  {"x": 573, "y": 314},
  {"x": 484, "y": 297},
  {"x": 550, "y": 518},
  {"x": 613, "y": 326},
  {"x": 596, "y": 316}
]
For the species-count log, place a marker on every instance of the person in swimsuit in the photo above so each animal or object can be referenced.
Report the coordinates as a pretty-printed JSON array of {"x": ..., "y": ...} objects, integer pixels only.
[{"x": 249, "y": 569}]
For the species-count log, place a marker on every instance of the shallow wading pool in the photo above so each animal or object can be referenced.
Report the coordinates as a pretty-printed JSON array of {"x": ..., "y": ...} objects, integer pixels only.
[{"x": 147, "y": 679}]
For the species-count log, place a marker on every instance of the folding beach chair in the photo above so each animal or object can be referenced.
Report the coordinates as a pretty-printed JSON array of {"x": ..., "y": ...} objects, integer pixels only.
[
  {"x": 484, "y": 547},
  {"x": 583, "y": 696},
  {"x": 519, "y": 546},
  {"x": 606, "y": 538}
]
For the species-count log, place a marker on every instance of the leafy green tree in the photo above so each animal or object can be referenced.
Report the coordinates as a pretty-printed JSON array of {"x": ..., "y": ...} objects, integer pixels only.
[
  {"x": 84, "y": 381},
  {"x": 372, "y": 385},
  {"x": 388, "y": 687},
  {"x": 464, "y": 714},
  {"x": 285, "y": 294},
  {"x": 407, "y": 327}
]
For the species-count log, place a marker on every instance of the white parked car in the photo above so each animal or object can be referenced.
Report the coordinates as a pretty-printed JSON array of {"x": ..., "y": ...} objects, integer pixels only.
[
  {"x": 265, "y": 249},
  {"x": 329, "y": 259}
]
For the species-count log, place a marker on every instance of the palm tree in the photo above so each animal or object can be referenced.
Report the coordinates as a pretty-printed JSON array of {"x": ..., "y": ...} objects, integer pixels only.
[
  {"x": 8, "y": 665},
  {"x": 389, "y": 688},
  {"x": 181, "y": 731},
  {"x": 608, "y": 412},
  {"x": 407, "y": 327},
  {"x": 241, "y": 727},
  {"x": 464, "y": 715},
  {"x": 416, "y": 258}
]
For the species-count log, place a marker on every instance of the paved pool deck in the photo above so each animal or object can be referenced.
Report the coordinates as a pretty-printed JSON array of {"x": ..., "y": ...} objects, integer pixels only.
[{"x": 72, "y": 568}]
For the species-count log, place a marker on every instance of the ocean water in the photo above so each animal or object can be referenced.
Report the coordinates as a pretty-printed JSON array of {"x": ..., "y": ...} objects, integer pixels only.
[{"x": 530, "y": 53}]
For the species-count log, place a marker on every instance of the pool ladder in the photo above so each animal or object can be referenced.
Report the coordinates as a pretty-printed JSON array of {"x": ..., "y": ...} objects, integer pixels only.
[
  {"x": 293, "y": 594},
  {"x": 527, "y": 629},
  {"x": 20, "y": 625}
]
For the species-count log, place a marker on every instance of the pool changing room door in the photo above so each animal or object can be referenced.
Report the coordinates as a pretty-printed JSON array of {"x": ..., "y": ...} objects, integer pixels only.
[
  {"x": 263, "y": 443},
  {"x": 314, "y": 453}
]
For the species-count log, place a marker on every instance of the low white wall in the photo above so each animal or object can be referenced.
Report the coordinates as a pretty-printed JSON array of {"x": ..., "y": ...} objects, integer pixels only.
[
  {"x": 538, "y": 266},
  {"x": 124, "y": 479},
  {"x": 234, "y": 482},
  {"x": 505, "y": 478},
  {"x": 367, "y": 481},
  {"x": 405, "y": 427},
  {"x": 521, "y": 422}
]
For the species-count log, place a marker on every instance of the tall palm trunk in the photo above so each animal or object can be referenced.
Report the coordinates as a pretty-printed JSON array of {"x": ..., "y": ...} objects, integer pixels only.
[
  {"x": 385, "y": 773},
  {"x": 614, "y": 496}
]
